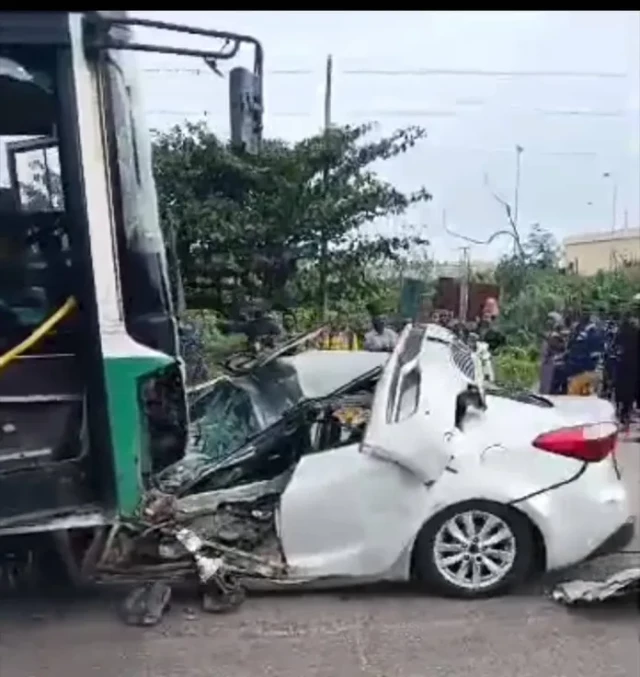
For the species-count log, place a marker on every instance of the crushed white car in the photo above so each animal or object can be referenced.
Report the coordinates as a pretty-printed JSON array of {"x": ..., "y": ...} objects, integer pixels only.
[{"x": 407, "y": 470}]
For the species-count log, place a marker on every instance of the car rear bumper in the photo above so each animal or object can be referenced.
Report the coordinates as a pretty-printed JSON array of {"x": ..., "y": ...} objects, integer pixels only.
[
  {"x": 617, "y": 541},
  {"x": 585, "y": 518}
]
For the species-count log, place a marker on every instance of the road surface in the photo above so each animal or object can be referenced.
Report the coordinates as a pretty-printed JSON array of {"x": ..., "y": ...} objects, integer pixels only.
[{"x": 381, "y": 633}]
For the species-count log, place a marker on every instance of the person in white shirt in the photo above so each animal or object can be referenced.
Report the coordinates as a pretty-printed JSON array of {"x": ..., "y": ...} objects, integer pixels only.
[
  {"x": 483, "y": 357},
  {"x": 380, "y": 338}
]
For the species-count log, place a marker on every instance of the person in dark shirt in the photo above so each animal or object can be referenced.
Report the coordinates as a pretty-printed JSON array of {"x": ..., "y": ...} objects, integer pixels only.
[
  {"x": 551, "y": 355},
  {"x": 584, "y": 354},
  {"x": 610, "y": 358},
  {"x": 635, "y": 304},
  {"x": 626, "y": 371}
]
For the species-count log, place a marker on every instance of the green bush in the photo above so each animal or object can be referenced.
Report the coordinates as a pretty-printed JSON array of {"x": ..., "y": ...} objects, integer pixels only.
[
  {"x": 524, "y": 311},
  {"x": 217, "y": 346},
  {"x": 517, "y": 367}
]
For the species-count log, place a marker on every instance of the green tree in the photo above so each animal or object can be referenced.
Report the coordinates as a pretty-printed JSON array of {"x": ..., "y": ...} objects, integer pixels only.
[
  {"x": 250, "y": 228},
  {"x": 533, "y": 285},
  {"x": 541, "y": 250},
  {"x": 43, "y": 190}
]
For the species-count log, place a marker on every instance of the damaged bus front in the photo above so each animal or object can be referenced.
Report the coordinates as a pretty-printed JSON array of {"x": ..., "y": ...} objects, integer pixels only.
[{"x": 92, "y": 394}]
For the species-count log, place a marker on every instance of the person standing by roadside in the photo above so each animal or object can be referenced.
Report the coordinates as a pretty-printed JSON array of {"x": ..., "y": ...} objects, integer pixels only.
[
  {"x": 490, "y": 310},
  {"x": 289, "y": 323},
  {"x": 626, "y": 371},
  {"x": 636, "y": 313},
  {"x": 584, "y": 352},
  {"x": 338, "y": 336},
  {"x": 551, "y": 354},
  {"x": 380, "y": 338},
  {"x": 483, "y": 356},
  {"x": 610, "y": 357}
]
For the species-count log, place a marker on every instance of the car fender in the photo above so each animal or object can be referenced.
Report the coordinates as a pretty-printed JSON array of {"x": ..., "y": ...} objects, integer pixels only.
[
  {"x": 459, "y": 486},
  {"x": 446, "y": 494},
  {"x": 449, "y": 491}
]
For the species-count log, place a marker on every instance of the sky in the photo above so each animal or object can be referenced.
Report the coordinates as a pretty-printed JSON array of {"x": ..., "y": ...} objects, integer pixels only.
[{"x": 504, "y": 79}]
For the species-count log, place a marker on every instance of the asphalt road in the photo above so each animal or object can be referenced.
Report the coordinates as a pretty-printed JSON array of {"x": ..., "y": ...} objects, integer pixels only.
[{"x": 382, "y": 633}]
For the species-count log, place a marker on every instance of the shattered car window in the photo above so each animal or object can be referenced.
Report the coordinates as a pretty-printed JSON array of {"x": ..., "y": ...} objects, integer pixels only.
[
  {"x": 222, "y": 421},
  {"x": 523, "y": 396}
]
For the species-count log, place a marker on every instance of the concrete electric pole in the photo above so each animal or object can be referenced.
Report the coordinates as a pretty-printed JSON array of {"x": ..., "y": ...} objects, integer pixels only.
[{"x": 324, "y": 253}]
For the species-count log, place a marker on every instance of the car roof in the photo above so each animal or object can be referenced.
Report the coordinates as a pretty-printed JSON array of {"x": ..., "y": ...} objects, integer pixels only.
[{"x": 322, "y": 372}]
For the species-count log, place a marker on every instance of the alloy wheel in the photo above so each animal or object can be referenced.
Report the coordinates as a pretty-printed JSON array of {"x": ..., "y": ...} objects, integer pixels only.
[{"x": 474, "y": 550}]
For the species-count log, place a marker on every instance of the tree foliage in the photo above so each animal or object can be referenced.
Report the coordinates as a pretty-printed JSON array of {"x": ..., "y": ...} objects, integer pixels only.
[
  {"x": 252, "y": 228},
  {"x": 43, "y": 189},
  {"x": 539, "y": 252},
  {"x": 534, "y": 284}
]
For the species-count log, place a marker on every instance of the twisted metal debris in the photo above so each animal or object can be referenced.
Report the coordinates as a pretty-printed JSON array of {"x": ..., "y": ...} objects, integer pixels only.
[
  {"x": 159, "y": 548},
  {"x": 622, "y": 583}
]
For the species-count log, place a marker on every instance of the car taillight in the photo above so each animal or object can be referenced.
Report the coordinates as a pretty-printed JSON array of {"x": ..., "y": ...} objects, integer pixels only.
[{"x": 590, "y": 443}]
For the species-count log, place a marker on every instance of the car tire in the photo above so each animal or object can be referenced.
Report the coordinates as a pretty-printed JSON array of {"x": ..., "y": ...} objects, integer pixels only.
[{"x": 436, "y": 547}]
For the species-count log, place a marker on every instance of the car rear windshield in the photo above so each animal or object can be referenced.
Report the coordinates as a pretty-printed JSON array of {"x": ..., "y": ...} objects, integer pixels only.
[
  {"x": 523, "y": 396},
  {"x": 463, "y": 359}
]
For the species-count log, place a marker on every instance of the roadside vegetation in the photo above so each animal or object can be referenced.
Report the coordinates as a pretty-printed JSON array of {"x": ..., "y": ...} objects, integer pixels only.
[{"x": 290, "y": 228}]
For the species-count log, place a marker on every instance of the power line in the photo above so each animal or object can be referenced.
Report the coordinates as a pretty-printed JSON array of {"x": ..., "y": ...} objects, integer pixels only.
[
  {"x": 219, "y": 114},
  {"x": 471, "y": 103},
  {"x": 589, "y": 113},
  {"x": 429, "y": 146},
  {"x": 419, "y": 72},
  {"x": 486, "y": 73},
  {"x": 417, "y": 113},
  {"x": 208, "y": 71},
  {"x": 402, "y": 113}
]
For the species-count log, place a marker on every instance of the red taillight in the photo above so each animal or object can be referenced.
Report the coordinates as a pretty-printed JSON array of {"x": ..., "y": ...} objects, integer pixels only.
[{"x": 590, "y": 443}]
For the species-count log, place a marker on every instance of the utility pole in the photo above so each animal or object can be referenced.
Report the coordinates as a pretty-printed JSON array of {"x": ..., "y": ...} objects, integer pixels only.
[
  {"x": 614, "y": 198},
  {"x": 516, "y": 197},
  {"x": 614, "y": 207},
  {"x": 324, "y": 251},
  {"x": 465, "y": 278}
]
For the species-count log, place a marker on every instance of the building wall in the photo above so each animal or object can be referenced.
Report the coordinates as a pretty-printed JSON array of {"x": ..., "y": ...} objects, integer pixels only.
[
  {"x": 588, "y": 254},
  {"x": 457, "y": 269}
]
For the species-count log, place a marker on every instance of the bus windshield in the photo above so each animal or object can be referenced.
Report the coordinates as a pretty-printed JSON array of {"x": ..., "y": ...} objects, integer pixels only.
[{"x": 141, "y": 250}]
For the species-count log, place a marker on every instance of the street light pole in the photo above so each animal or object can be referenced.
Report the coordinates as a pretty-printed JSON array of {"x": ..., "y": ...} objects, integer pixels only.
[
  {"x": 614, "y": 206},
  {"x": 614, "y": 198},
  {"x": 324, "y": 252},
  {"x": 465, "y": 278},
  {"x": 516, "y": 197}
]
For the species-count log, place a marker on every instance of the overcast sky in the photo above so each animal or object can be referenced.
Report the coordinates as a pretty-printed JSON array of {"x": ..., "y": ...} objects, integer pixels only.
[{"x": 573, "y": 129}]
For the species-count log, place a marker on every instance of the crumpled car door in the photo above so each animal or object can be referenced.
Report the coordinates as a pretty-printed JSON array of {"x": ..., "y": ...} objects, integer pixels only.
[{"x": 405, "y": 427}]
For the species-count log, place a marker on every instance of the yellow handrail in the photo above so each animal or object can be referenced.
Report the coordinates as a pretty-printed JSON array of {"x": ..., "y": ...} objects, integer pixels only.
[{"x": 38, "y": 333}]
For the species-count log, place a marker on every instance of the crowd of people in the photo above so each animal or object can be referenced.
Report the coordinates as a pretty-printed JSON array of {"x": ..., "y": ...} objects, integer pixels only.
[
  {"x": 582, "y": 353},
  {"x": 594, "y": 352},
  {"x": 481, "y": 335}
]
